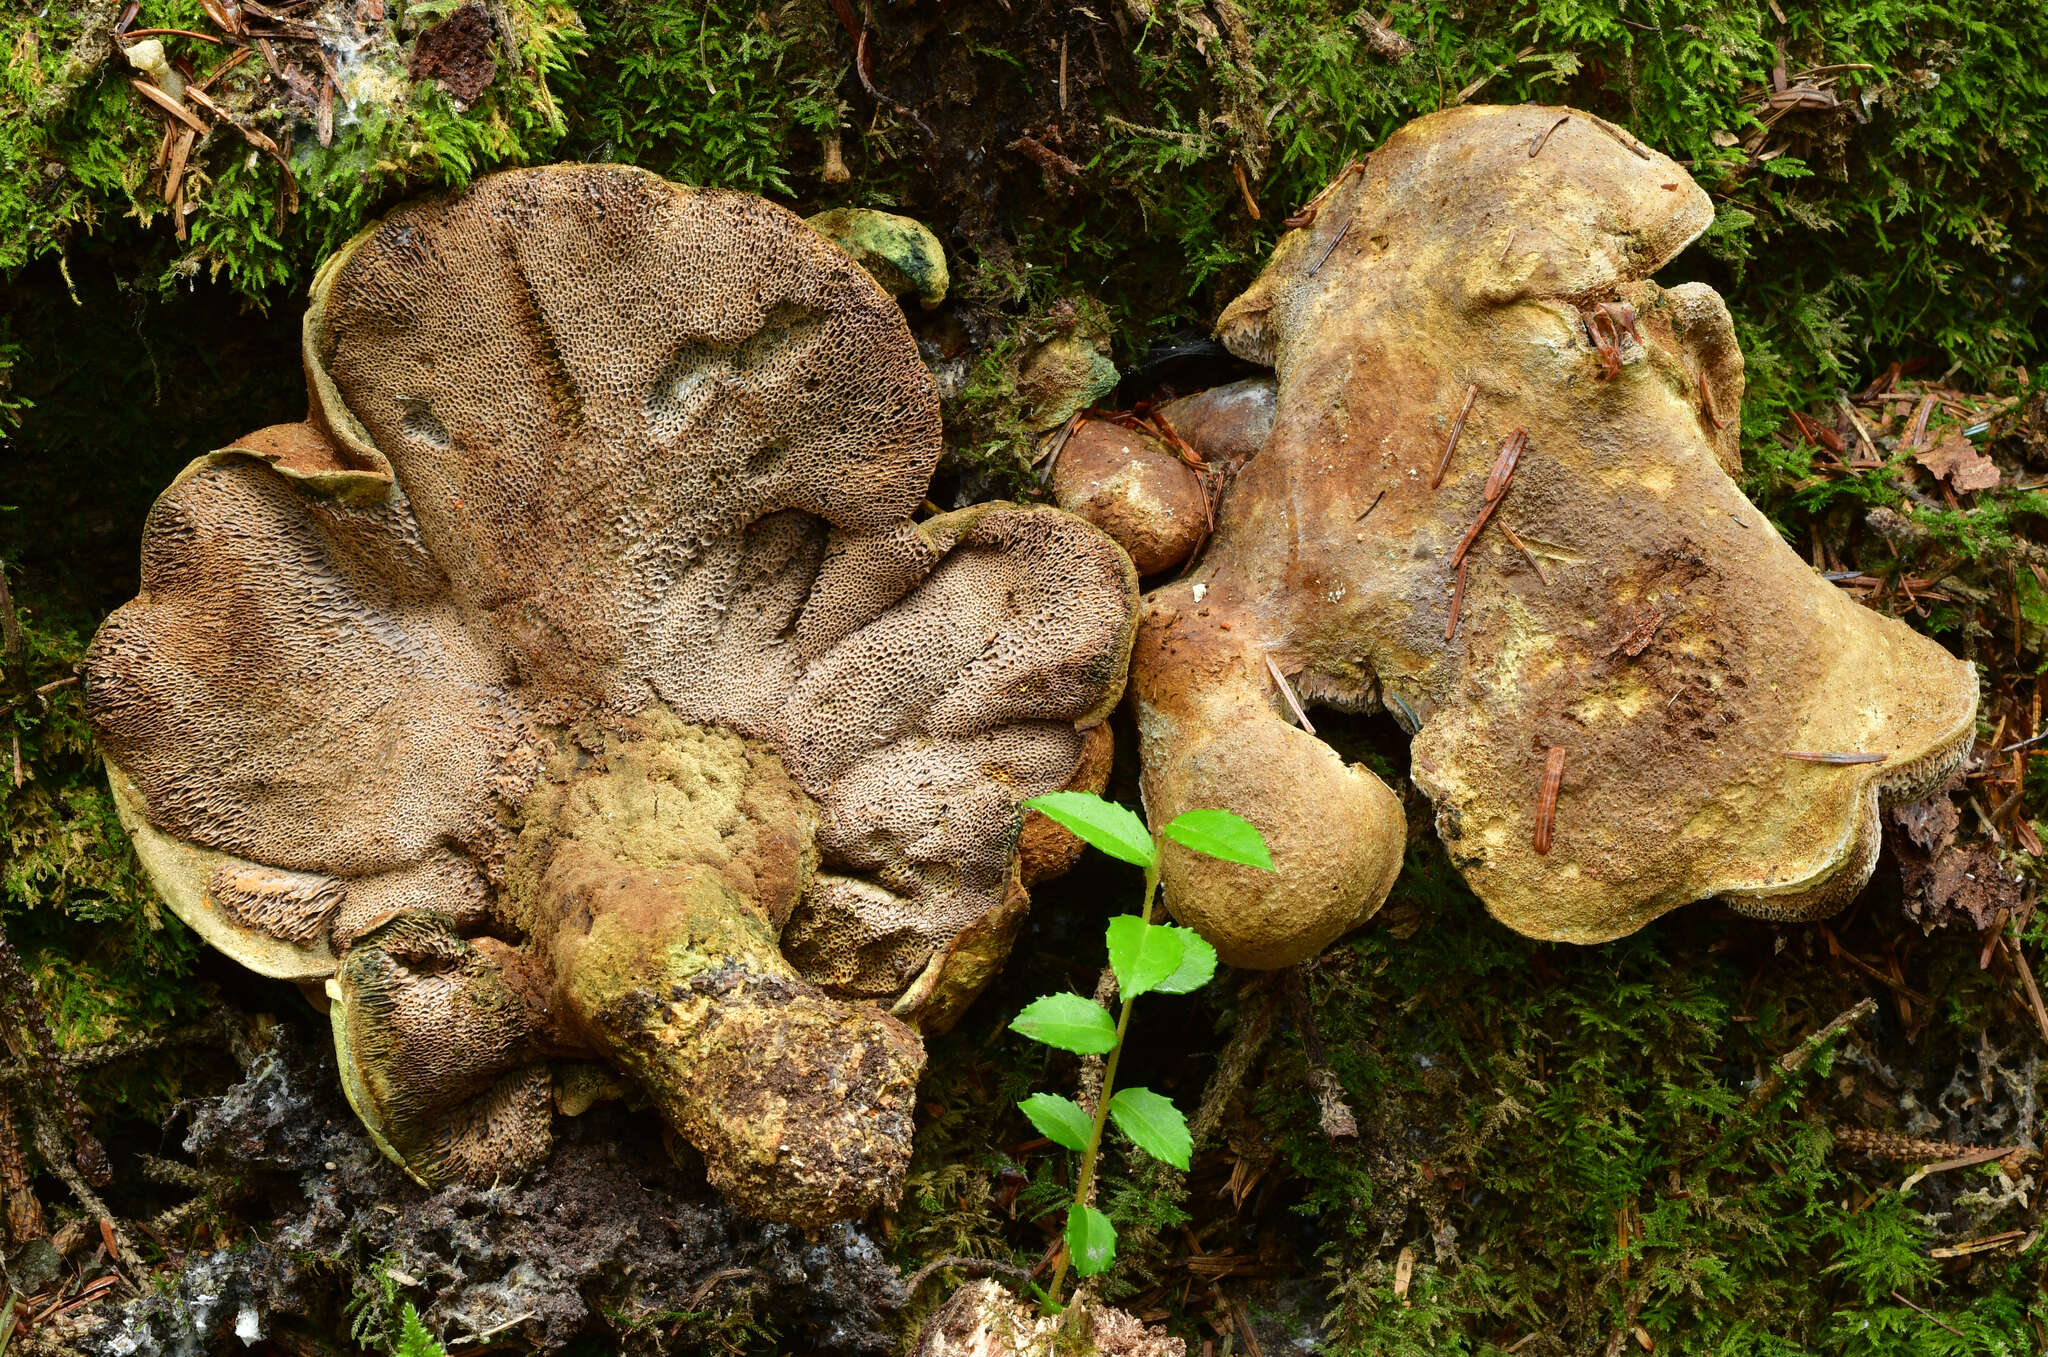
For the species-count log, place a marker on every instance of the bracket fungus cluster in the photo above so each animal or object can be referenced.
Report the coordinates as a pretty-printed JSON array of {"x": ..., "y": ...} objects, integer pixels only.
[
  {"x": 1496, "y": 500},
  {"x": 574, "y": 696}
]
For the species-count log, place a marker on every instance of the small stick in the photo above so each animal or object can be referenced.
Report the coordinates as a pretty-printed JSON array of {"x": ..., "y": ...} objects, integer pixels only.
[
  {"x": 1457, "y": 601},
  {"x": 1527, "y": 554},
  {"x": 1797, "y": 1058},
  {"x": 181, "y": 153},
  {"x": 168, "y": 105},
  {"x": 170, "y": 32},
  {"x": 1496, "y": 489},
  {"x": 1287, "y": 691},
  {"x": 1376, "y": 504},
  {"x": 1806, "y": 756},
  {"x": 1457, "y": 428},
  {"x": 1307, "y": 215},
  {"x": 1536, "y": 147},
  {"x": 2026, "y": 970},
  {"x": 1931, "y": 1315},
  {"x": 966, "y": 1264},
  {"x": 1918, "y": 429},
  {"x": 1251, "y": 204},
  {"x": 1334, "y": 243},
  {"x": 1546, "y": 798},
  {"x": 1707, "y": 402}
]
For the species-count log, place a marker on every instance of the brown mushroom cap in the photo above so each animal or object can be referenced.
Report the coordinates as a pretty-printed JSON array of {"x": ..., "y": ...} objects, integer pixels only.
[
  {"x": 1126, "y": 483},
  {"x": 1679, "y": 653},
  {"x": 606, "y": 487}
]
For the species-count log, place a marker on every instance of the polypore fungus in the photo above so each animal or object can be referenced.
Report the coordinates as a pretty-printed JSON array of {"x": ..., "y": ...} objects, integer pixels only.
[
  {"x": 574, "y": 685},
  {"x": 1497, "y": 502}
]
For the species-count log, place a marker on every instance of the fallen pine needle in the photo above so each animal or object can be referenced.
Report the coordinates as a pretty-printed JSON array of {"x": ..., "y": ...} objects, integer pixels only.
[
  {"x": 1546, "y": 798},
  {"x": 1287, "y": 691},
  {"x": 1457, "y": 428},
  {"x": 1527, "y": 554}
]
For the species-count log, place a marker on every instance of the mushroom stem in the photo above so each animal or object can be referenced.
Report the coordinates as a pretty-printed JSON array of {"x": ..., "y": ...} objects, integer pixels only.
[
  {"x": 658, "y": 877},
  {"x": 1212, "y": 732},
  {"x": 650, "y": 881},
  {"x": 800, "y": 1103}
]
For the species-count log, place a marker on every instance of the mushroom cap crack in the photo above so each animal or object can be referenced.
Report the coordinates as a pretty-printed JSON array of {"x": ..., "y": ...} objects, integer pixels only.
[{"x": 575, "y": 684}]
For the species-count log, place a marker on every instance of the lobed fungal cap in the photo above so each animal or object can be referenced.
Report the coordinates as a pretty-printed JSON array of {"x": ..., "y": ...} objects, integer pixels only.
[
  {"x": 592, "y": 456},
  {"x": 1610, "y": 594}
]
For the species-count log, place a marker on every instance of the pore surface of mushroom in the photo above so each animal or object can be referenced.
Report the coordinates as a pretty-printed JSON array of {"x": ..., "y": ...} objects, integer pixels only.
[
  {"x": 574, "y": 685},
  {"x": 1626, "y": 691}
]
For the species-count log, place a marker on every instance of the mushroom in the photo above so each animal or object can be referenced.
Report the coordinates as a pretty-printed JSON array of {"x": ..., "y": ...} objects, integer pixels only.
[
  {"x": 574, "y": 685},
  {"x": 1626, "y": 692},
  {"x": 1125, "y": 482},
  {"x": 1122, "y": 479}
]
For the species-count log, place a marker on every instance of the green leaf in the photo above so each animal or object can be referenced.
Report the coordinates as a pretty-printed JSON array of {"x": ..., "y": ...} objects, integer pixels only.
[
  {"x": 1069, "y": 1022},
  {"x": 1059, "y": 1120},
  {"x": 1091, "y": 1240},
  {"x": 1221, "y": 834},
  {"x": 1105, "y": 824},
  {"x": 1197, "y": 962},
  {"x": 1151, "y": 1120},
  {"x": 1143, "y": 955},
  {"x": 413, "y": 1338}
]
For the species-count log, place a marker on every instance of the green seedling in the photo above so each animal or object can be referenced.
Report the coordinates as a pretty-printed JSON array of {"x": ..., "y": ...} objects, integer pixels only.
[{"x": 1146, "y": 958}]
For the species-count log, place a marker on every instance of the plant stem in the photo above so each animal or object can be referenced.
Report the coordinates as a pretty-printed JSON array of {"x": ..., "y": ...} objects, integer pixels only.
[{"x": 1123, "y": 1020}]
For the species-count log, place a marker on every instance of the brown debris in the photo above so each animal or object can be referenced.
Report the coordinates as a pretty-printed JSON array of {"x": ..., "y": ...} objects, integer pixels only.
[
  {"x": 1384, "y": 41},
  {"x": 1546, "y": 797},
  {"x": 1955, "y": 459},
  {"x": 1055, "y": 165},
  {"x": 1451, "y": 443},
  {"x": 459, "y": 52}
]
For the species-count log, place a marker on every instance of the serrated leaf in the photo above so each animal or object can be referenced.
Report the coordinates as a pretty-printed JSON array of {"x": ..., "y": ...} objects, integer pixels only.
[
  {"x": 1220, "y": 834},
  {"x": 1143, "y": 955},
  {"x": 1104, "y": 824},
  {"x": 1153, "y": 1123},
  {"x": 1059, "y": 1120},
  {"x": 1197, "y": 962},
  {"x": 1068, "y": 1022},
  {"x": 1091, "y": 1240}
]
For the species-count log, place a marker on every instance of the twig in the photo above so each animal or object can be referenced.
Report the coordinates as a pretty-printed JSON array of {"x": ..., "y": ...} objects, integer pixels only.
[
  {"x": 1536, "y": 147},
  {"x": 1810, "y": 756},
  {"x": 1046, "y": 158},
  {"x": 1799, "y": 1056},
  {"x": 1835, "y": 948},
  {"x": 1496, "y": 489},
  {"x": 1335, "y": 241},
  {"x": 1451, "y": 444},
  {"x": 1251, "y": 204},
  {"x": 1527, "y": 555},
  {"x": 2026, "y": 970},
  {"x": 169, "y": 105},
  {"x": 1930, "y": 1314},
  {"x": 923, "y": 1274},
  {"x": 1287, "y": 691},
  {"x": 521, "y": 1318},
  {"x": 1546, "y": 797}
]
